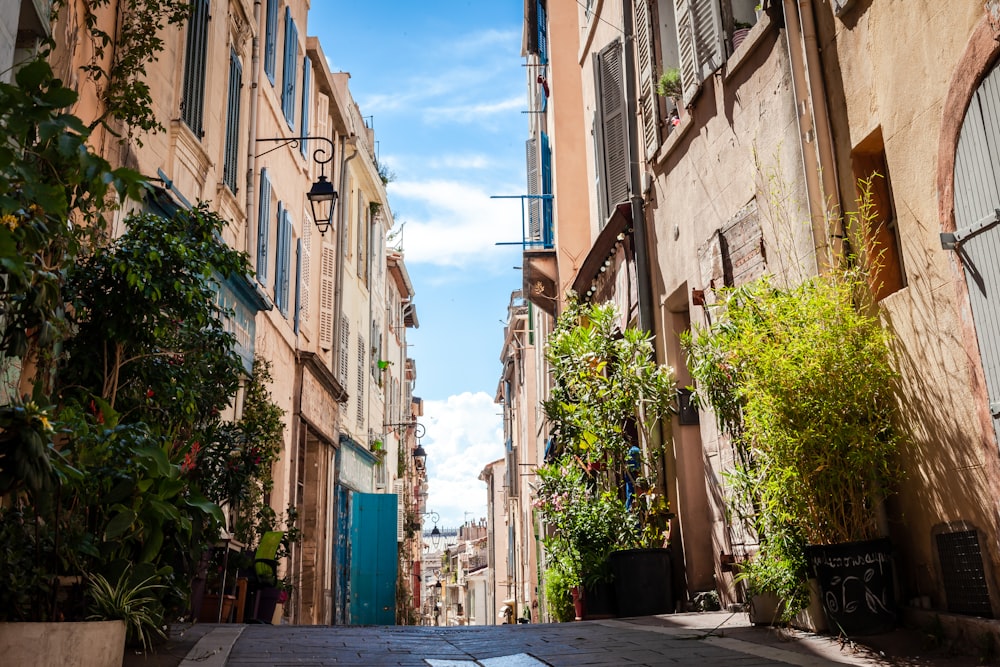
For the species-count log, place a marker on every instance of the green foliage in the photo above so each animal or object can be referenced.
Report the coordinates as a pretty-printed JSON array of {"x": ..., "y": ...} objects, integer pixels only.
[
  {"x": 121, "y": 57},
  {"x": 558, "y": 600},
  {"x": 127, "y": 600},
  {"x": 669, "y": 83},
  {"x": 801, "y": 380}
]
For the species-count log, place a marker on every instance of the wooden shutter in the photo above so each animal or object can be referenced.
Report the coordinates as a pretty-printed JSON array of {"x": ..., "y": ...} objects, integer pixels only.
[
  {"x": 614, "y": 131},
  {"x": 283, "y": 260},
  {"x": 297, "y": 310},
  {"x": 328, "y": 261},
  {"x": 543, "y": 40},
  {"x": 706, "y": 19},
  {"x": 288, "y": 73},
  {"x": 345, "y": 349},
  {"x": 305, "y": 260},
  {"x": 534, "y": 188},
  {"x": 231, "y": 159},
  {"x": 362, "y": 356},
  {"x": 271, "y": 39},
  {"x": 400, "y": 510},
  {"x": 644, "y": 52},
  {"x": 546, "y": 169},
  {"x": 306, "y": 85},
  {"x": 193, "y": 92},
  {"x": 263, "y": 226},
  {"x": 686, "y": 50}
]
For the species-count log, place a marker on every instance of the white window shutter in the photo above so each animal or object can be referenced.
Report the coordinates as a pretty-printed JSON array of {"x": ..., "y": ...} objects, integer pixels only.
[
  {"x": 649, "y": 106},
  {"x": 305, "y": 270},
  {"x": 706, "y": 19},
  {"x": 345, "y": 347},
  {"x": 686, "y": 50},
  {"x": 534, "y": 188},
  {"x": 400, "y": 511},
  {"x": 328, "y": 260}
]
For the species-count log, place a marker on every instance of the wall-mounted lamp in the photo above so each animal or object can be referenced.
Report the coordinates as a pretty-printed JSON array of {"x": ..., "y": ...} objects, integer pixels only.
[
  {"x": 322, "y": 197},
  {"x": 419, "y": 457}
]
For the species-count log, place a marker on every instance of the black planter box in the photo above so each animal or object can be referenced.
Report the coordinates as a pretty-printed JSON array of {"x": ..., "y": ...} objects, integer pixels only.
[
  {"x": 856, "y": 585},
  {"x": 642, "y": 582}
]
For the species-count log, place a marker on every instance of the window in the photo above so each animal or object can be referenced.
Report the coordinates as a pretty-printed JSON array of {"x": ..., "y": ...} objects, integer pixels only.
[
  {"x": 263, "y": 226},
  {"x": 882, "y": 246},
  {"x": 362, "y": 359},
  {"x": 613, "y": 156},
  {"x": 298, "y": 285},
  {"x": 283, "y": 260},
  {"x": 288, "y": 72},
  {"x": 193, "y": 93},
  {"x": 543, "y": 40},
  {"x": 327, "y": 287},
  {"x": 699, "y": 40},
  {"x": 271, "y": 39},
  {"x": 649, "y": 105},
  {"x": 231, "y": 158},
  {"x": 306, "y": 80},
  {"x": 344, "y": 349},
  {"x": 364, "y": 232}
]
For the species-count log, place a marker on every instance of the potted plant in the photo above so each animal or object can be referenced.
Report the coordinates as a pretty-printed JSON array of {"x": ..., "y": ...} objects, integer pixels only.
[
  {"x": 599, "y": 492},
  {"x": 669, "y": 85},
  {"x": 801, "y": 380}
]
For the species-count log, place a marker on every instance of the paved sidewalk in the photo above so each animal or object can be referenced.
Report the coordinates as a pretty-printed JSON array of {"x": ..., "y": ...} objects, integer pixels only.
[{"x": 719, "y": 639}]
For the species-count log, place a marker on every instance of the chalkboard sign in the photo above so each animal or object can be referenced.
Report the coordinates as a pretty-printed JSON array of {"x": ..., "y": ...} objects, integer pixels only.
[{"x": 856, "y": 584}]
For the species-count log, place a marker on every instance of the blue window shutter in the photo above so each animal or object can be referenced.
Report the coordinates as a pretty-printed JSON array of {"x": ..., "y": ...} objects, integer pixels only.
[
  {"x": 282, "y": 278},
  {"x": 306, "y": 82},
  {"x": 195, "y": 55},
  {"x": 263, "y": 226},
  {"x": 271, "y": 39},
  {"x": 547, "y": 239},
  {"x": 543, "y": 44},
  {"x": 279, "y": 258},
  {"x": 288, "y": 75},
  {"x": 231, "y": 156},
  {"x": 298, "y": 282}
]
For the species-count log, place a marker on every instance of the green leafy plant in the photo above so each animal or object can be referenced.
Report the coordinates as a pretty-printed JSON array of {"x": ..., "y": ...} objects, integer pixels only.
[
  {"x": 127, "y": 600},
  {"x": 669, "y": 83}
]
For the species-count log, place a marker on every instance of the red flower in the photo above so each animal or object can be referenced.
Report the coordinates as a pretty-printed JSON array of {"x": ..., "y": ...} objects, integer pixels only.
[{"x": 149, "y": 393}]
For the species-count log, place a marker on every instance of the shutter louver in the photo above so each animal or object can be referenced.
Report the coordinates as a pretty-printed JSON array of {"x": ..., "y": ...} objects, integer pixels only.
[
  {"x": 400, "y": 511},
  {"x": 263, "y": 226},
  {"x": 288, "y": 73},
  {"x": 707, "y": 24},
  {"x": 345, "y": 343},
  {"x": 614, "y": 131},
  {"x": 231, "y": 161},
  {"x": 534, "y": 188},
  {"x": 326, "y": 293},
  {"x": 193, "y": 92},
  {"x": 305, "y": 267},
  {"x": 648, "y": 104},
  {"x": 361, "y": 381},
  {"x": 306, "y": 85},
  {"x": 271, "y": 39},
  {"x": 546, "y": 169},
  {"x": 686, "y": 46}
]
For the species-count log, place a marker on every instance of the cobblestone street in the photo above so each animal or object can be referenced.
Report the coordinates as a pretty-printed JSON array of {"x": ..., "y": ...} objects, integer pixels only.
[{"x": 716, "y": 639}]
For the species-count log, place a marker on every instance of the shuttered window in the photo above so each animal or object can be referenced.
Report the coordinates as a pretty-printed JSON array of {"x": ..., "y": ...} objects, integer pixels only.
[
  {"x": 271, "y": 39},
  {"x": 298, "y": 286},
  {"x": 231, "y": 159},
  {"x": 306, "y": 85},
  {"x": 543, "y": 40},
  {"x": 283, "y": 260},
  {"x": 193, "y": 93},
  {"x": 328, "y": 261},
  {"x": 288, "y": 72},
  {"x": 362, "y": 357},
  {"x": 614, "y": 158},
  {"x": 400, "y": 510},
  {"x": 263, "y": 226},
  {"x": 546, "y": 162},
  {"x": 305, "y": 268},
  {"x": 534, "y": 188},
  {"x": 699, "y": 38},
  {"x": 648, "y": 103},
  {"x": 345, "y": 349}
]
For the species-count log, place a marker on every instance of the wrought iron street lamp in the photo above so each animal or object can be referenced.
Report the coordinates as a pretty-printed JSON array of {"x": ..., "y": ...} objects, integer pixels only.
[{"x": 322, "y": 197}]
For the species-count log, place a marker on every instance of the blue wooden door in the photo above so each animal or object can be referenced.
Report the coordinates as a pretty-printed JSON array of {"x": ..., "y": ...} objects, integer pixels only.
[
  {"x": 342, "y": 589},
  {"x": 373, "y": 559}
]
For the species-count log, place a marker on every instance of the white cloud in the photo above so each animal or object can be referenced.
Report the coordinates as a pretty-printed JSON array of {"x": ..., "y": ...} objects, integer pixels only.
[
  {"x": 475, "y": 112},
  {"x": 464, "y": 433},
  {"x": 473, "y": 161},
  {"x": 461, "y": 226}
]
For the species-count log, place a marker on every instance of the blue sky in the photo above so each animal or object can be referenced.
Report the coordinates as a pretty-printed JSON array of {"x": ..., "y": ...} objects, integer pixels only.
[{"x": 444, "y": 86}]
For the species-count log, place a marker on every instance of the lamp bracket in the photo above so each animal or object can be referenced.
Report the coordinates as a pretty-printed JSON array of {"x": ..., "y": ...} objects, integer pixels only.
[{"x": 321, "y": 156}]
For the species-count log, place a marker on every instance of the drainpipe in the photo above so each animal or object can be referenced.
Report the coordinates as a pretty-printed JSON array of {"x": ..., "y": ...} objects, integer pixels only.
[
  {"x": 251, "y": 153},
  {"x": 815, "y": 136},
  {"x": 338, "y": 293},
  {"x": 643, "y": 275}
]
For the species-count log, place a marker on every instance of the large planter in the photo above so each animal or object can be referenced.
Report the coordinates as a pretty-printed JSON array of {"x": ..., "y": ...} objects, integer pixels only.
[
  {"x": 600, "y": 601},
  {"x": 856, "y": 585},
  {"x": 642, "y": 582},
  {"x": 84, "y": 644},
  {"x": 210, "y": 608}
]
